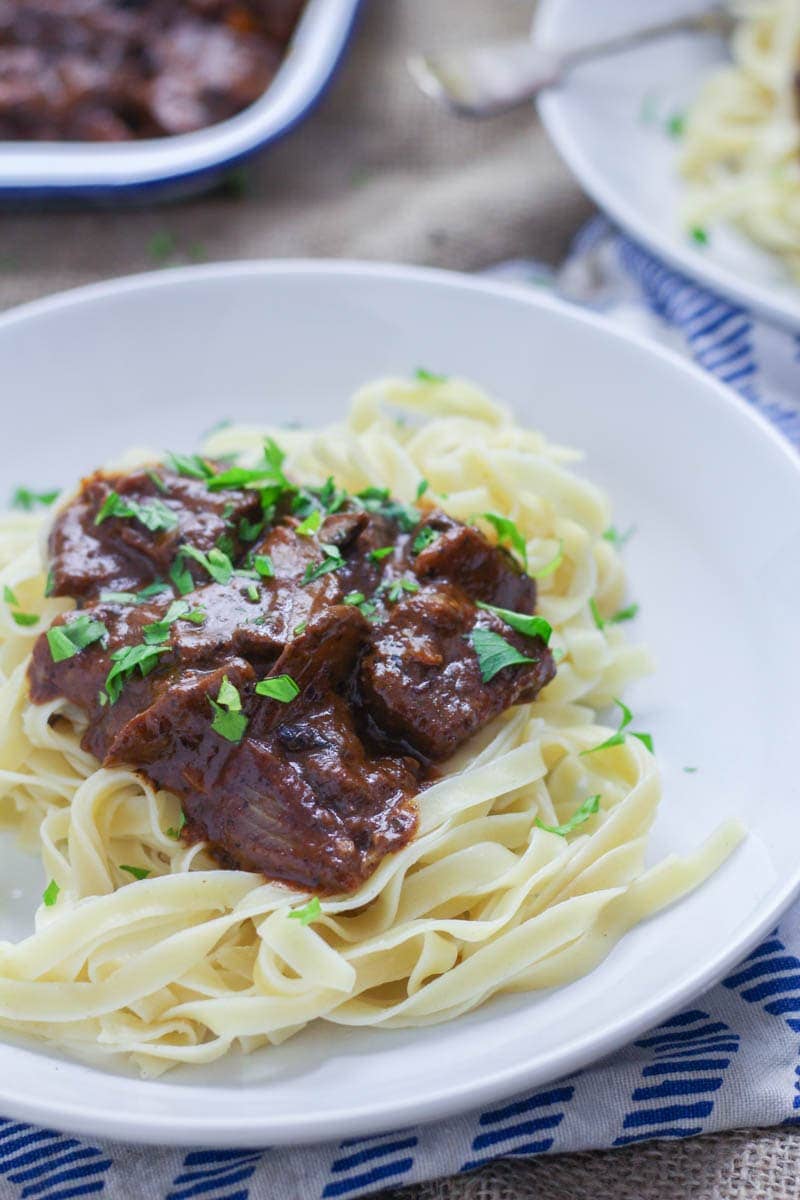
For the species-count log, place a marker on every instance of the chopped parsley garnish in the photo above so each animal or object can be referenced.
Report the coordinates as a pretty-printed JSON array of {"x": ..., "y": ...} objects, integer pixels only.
[
  {"x": 50, "y": 893},
  {"x": 699, "y": 235},
  {"x": 66, "y": 640},
  {"x": 229, "y": 720},
  {"x": 157, "y": 481},
  {"x": 399, "y": 586},
  {"x": 249, "y": 531},
  {"x": 154, "y": 589},
  {"x": 381, "y": 552},
  {"x": 181, "y": 577},
  {"x": 179, "y": 610},
  {"x": 300, "y": 628},
  {"x": 262, "y": 563},
  {"x": 691, "y": 770},
  {"x": 252, "y": 593},
  {"x": 676, "y": 125},
  {"x": 586, "y": 810},
  {"x": 50, "y": 583},
  {"x": 530, "y": 626},
  {"x": 331, "y": 562},
  {"x": 618, "y": 738},
  {"x": 622, "y": 614},
  {"x": 216, "y": 563},
  {"x": 161, "y": 246},
  {"x": 310, "y": 524},
  {"x": 494, "y": 652},
  {"x": 308, "y": 913},
  {"x": 136, "y": 872},
  {"x": 616, "y": 538},
  {"x": 126, "y": 660},
  {"x": 27, "y": 500},
  {"x": 153, "y": 514},
  {"x": 422, "y": 488},
  {"x": 280, "y": 687},
  {"x": 270, "y": 475},
  {"x": 552, "y": 565},
  {"x": 8, "y": 595},
  {"x": 423, "y": 539},
  {"x": 174, "y": 831},
  {"x": 377, "y": 500},
  {"x": 355, "y": 598},
  {"x": 23, "y": 618},
  {"x": 507, "y": 531},
  {"x": 330, "y": 497},
  {"x": 190, "y": 465},
  {"x": 425, "y": 376}
]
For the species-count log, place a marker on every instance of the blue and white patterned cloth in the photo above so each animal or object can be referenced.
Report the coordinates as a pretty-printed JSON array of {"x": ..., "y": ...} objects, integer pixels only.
[{"x": 730, "y": 1060}]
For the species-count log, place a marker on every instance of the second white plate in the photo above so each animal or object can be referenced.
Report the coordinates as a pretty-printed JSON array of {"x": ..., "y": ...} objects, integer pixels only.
[{"x": 609, "y": 122}]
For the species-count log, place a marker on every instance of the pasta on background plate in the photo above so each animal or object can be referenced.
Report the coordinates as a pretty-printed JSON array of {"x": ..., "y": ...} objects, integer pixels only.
[{"x": 528, "y": 860}]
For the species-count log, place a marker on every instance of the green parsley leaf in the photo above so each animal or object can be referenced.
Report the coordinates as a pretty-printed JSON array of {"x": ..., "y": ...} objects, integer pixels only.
[
  {"x": 308, "y": 913},
  {"x": 381, "y": 552},
  {"x": 377, "y": 500},
  {"x": 192, "y": 466},
  {"x": 9, "y": 596},
  {"x": 263, "y": 565},
  {"x": 136, "y": 872},
  {"x": 161, "y": 246},
  {"x": 279, "y": 687},
  {"x": 311, "y": 524},
  {"x": 595, "y": 611},
  {"x": 425, "y": 376},
  {"x": 422, "y": 488},
  {"x": 676, "y": 125},
  {"x": 494, "y": 652},
  {"x": 530, "y": 626},
  {"x": 397, "y": 588},
  {"x": 301, "y": 628},
  {"x": 66, "y": 640},
  {"x": 27, "y": 500},
  {"x": 23, "y": 618},
  {"x": 154, "y": 514},
  {"x": 691, "y": 770},
  {"x": 331, "y": 562},
  {"x": 179, "y": 610},
  {"x": 157, "y": 481},
  {"x": 216, "y": 563},
  {"x": 50, "y": 583},
  {"x": 181, "y": 576},
  {"x": 330, "y": 497},
  {"x": 249, "y": 531},
  {"x": 624, "y": 614},
  {"x": 616, "y": 538},
  {"x": 699, "y": 235},
  {"x": 229, "y": 720},
  {"x": 153, "y": 589},
  {"x": 271, "y": 474},
  {"x": 174, "y": 831},
  {"x": 618, "y": 738},
  {"x": 253, "y": 593},
  {"x": 552, "y": 565},
  {"x": 50, "y": 893},
  {"x": 126, "y": 660},
  {"x": 354, "y": 598},
  {"x": 586, "y": 810},
  {"x": 507, "y": 531},
  {"x": 423, "y": 539}
]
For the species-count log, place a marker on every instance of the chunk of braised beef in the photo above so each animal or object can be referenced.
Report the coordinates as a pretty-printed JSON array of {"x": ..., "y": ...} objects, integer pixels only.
[
  {"x": 420, "y": 682},
  {"x": 308, "y": 804},
  {"x": 462, "y": 555},
  {"x": 121, "y": 552}
]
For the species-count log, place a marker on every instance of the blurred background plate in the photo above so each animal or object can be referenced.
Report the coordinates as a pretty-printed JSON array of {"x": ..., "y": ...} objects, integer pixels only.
[
  {"x": 169, "y": 167},
  {"x": 609, "y": 121}
]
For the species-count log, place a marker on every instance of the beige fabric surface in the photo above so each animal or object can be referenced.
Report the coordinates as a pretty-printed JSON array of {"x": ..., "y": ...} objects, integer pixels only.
[{"x": 378, "y": 172}]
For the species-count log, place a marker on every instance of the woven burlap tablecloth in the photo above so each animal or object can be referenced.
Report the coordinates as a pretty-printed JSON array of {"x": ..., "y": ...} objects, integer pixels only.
[{"x": 378, "y": 172}]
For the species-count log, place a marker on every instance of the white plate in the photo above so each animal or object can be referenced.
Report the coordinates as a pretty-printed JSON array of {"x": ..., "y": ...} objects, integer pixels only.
[
  {"x": 715, "y": 565},
  {"x": 629, "y": 164}
]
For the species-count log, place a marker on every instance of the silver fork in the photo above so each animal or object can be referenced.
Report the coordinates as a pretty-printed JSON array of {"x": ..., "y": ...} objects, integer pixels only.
[{"x": 483, "y": 81}]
